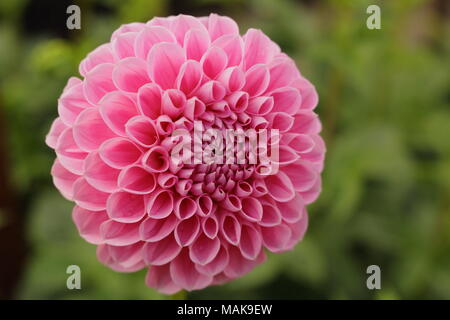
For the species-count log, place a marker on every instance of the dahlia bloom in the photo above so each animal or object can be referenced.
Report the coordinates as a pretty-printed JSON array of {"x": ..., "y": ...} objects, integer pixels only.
[{"x": 190, "y": 225}]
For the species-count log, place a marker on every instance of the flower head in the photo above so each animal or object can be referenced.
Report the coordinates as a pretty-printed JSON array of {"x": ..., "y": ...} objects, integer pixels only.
[{"x": 192, "y": 224}]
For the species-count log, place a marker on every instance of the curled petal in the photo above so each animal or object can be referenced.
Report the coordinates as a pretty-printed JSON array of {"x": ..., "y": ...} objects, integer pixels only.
[
  {"x": 232, "y": 78},
  {"x": 71, "y": 103},
  {"x": 232, "y": 203},
  {"x": 88, "y": 197},
  {"x": 258, "y": 48},
  {"x": 196, "y": 42},
  {"x": 161, "y": 252},
  {"x": 187, "y": 230},
  {"x": 123, "y": 45},
  {"x": 205, "y": 205},
  {"x": 135, "y": 179},
  {"x": 210, "y": 226},
  {"x": 185, "y": 208},
  {"x": 238, "y": 265},
  {"x": 90, "y": 131},
  {"x": 260, "y": 105},
  {"x": 230, "y": 228},
  {"x": 56, "y": 130},
  {"x": 69, "y": 154},
  {"x": 98, "y": 174},
  {"x": 102, "y": 54},
  {"x": 280, "y": 121},
  {"x": 194, "y": 108},
  {"x": 148, "y": 37},
  {"x": 271, "y": 215},
  {"x": 63, "y": 179},
  {"x": 211, "y": 91},
  {"x": 189, "y": 78},
  {"x": 164, "y": 61},
  {"x": 219, "y": 26},
  {"x": 125, "y": 207},
  {"x": 256, "y": 80},
  {"x": 98, "y": 82},
  {"x": 204, "y": 249},
  {"x": 276, "y": 238},
  {"x": 252, "y": 209},
  {"x": 142, "y": 130},
  {"x": 156, "y": 159},
  {"x": 280, "y": 187},
  {"x": 233, "y": 46},
  {"x": 217, "y": 265},
  {"x": 159, "y": 278},
  {"x": 130, "y": 74},
  {"x": 238, "y": 101},
  {"x": 149, "y": 100},
  {"x": 184, "y": 273},
  {"x": 153, "y": 230},
  {"x": 214, "y": 61},
  {"x": 287, "y": 100},
  {"x": 184, "y": 23},
  {"x": 88, "y": 223},
  {"x": 164, "y": 125},
  {"x": 173, "y": 103},
  {"x": 119, "y": 152},
  {"x": 116, "y": 109},
  {"x": 119, "y": 234},
  {"x": 250, "y": 242},
  {"x": 160, "y": 204}
]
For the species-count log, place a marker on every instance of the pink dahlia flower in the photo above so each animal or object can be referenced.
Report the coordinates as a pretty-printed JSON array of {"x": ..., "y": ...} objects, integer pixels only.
[{"x": 191, "y": 225}]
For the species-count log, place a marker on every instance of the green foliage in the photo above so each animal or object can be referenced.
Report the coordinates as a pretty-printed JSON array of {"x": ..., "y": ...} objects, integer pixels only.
[{"x": 384, "y": 104}]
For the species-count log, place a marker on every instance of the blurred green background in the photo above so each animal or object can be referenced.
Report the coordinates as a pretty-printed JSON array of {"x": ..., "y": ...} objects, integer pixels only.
[{"x": 384, "y": 103}]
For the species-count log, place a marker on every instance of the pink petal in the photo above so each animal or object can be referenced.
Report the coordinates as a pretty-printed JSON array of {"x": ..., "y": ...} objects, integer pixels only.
[
  {"x": 232, "y": 78},
  {"x": 260, "y": 105},
  {"x": 271, "y": 215},
  {"x": 90, "y": 131},
  {"x": 280, "y": 187},
  {"x": 211, "y": 91},
  {"x": 238, "y": 101},
  {"x": 106, "y": 254},
  {"x": 190, "y": 76},
  {"x": 184, "y": 23},
  {"x": 116, "y": 109},
  {"x": 88, "y": 197},
  {"x": 130, "y": 74},
  {"x": 185, "y": 208},
  {"x": 232, "y": 203},
  {"x": 55, "y": 131},
  {"x": 187, "y": 230},
  {"x": 123, "y": 45},
  {"x": 88, "y": 223},
  {"x": 63, "y": 179},
  {"x": 69, "y": 154},
  {"x": 196, "y": 42},
  {"x": 282, "y": 73},
  {"x": 142, "y": 130},
  {"x": 302, "y": 176},
  {"x": 219, "y": 26},
  {"x": 250, "y": 242},
  {"x": 149, "y": 100},
  {"x": 287, "y": 100},
  {"x": 259, "y": 188},
  {"x": 252, "y": 209},
  {"x": 156, "y": 159},
  {"x": 129, "y": 27},
  {"x": 292, "y": 210},
  {"x": 160, "y": 204},
  {"x": 167, "y": 180},
  {"x": 164, "y": 125},
  {"x": 204, "y": 249},
  {"x": 214, "y": 61},
  {"x": 164, "y": 61},
  {"x": 99, "y": 175},
  {"x": 238, "y": 265},
  {"x": 256, "y": 80},
  {"x": 233, "y": 46},
  {"x": 125, "y": 207},
  {"x": 154, "y": 230},
  {"x": 306, "y": 121},
  {"x": 98, "y": 82},
  {"x": 205, "y": 205},
  {"x": 280, "y": 121},
  {"x": 298, "y": 230},
  {"x": 258, "y": 48},
  {"x": 158, "y": 277},
  {"x": 161, "y": 252},
  {"x": 135, "y": 179},
  {"x": 102, "y": 54},
  {"x": 308, "y": 93},
  {"x": 210, "y": 226},
  {"x": 119, "y": 152},
  {"x": 217, "y": 265},
  {"x": 276, "y": 238},
  {"x": 173, "y": 102},
  {"x": 230, "y": 228},
  {"x": 119, "y": 234},
  {"x": 194, "y": 108},
  {"x": 71, "y": 103},
  {"x": 301, "y": 143},
  {"x": 149, "y": 37},
  {"x": 184, "y": 274}
]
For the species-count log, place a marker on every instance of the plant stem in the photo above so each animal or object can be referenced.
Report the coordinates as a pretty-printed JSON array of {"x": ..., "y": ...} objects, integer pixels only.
[{"x": 180, "y": 295}]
